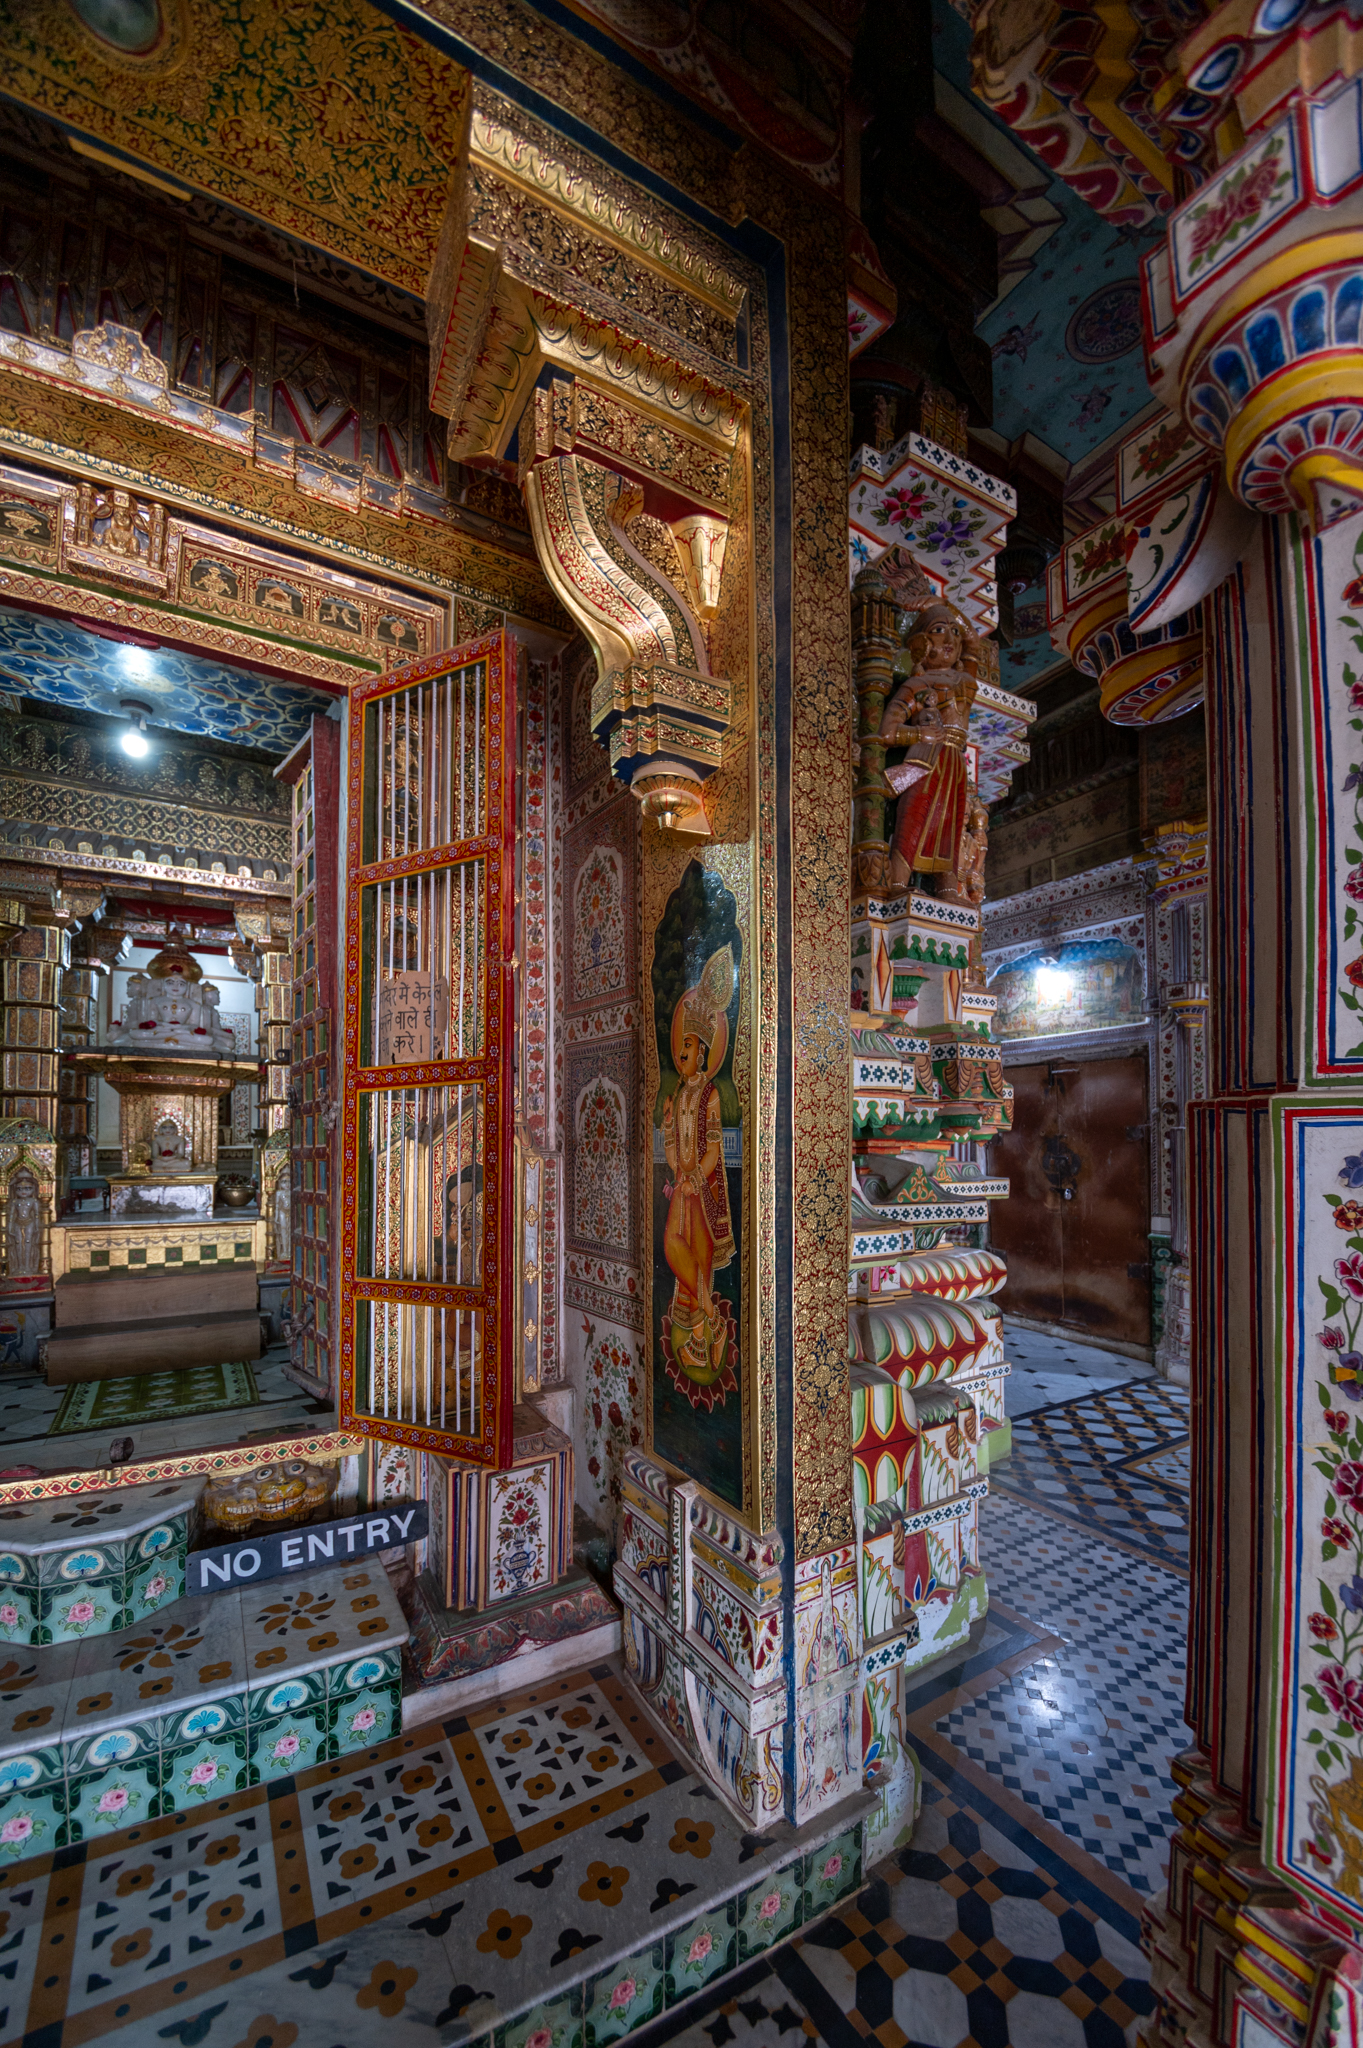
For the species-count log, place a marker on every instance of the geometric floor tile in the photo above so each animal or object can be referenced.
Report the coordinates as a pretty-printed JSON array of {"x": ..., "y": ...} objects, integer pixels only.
[
  {"x": 1090, "y": 1461},
  {"x": 1012, "y": 1919},
  {"x": 425, "y": 1891},
  {"x": 1083, "y": 1734},
  {"x": 545, "y": 1848},
  {"x": 962, "y": 1941}
]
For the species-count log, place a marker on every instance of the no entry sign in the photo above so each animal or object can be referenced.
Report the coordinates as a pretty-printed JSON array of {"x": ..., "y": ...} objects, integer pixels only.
[{"x": 300, "y": 1550}]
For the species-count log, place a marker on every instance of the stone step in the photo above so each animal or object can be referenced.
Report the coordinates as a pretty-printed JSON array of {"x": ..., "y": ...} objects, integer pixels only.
[
  {"x": 112, "y": 1351},
  {"x": 219, "y": 1693},
  {"x": 120, "y": 1554},
  {"x": 135, "y": 1297}
]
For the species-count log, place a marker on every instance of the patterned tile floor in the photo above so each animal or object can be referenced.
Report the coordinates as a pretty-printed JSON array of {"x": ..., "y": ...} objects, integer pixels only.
[
  {"x": 389, "y": 1891},
  {"x": 1050, "y": 1369},
  {"x": 1088, "y": 1461},
  {"x": 1012, "y": 1920},
  {"x": 28, "y": 1407}
]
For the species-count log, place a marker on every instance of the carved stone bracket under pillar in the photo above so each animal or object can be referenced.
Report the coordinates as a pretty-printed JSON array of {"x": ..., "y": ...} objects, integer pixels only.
[{"x": 638, "y": 589}]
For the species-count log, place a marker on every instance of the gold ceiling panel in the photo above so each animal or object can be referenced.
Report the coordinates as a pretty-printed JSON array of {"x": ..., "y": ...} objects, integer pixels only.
[{"x": 322, "y": 118}]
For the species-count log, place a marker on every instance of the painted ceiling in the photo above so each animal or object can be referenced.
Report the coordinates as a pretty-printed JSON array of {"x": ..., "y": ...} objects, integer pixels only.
[
  {"x": 322, "y": 118},
  {"x": 61, "y": 663},
  {"x": 1068, "y": 366}
]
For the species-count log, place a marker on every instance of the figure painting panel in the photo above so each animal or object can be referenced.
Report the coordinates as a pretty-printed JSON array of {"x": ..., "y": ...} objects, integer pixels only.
[{"x": 698, "y": 1187}]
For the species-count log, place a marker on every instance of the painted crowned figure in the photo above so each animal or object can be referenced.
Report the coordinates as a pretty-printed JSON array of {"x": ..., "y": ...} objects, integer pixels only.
[
  {"x": 698, "y": 1239},
  {"x": 931, "y": 712}
]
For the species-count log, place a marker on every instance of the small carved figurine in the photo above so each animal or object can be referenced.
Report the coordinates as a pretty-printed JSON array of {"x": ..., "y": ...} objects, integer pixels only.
[
  {"x": 168, "y": 1151},
  {"x": 283, "y": 1215},
  {"x": 23, "y": 1225},
  {"x": 931, "y": 711}
]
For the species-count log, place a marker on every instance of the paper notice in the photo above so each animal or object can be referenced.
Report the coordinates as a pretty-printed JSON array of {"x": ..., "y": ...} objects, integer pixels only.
[{"x": 413, "y": 1013}]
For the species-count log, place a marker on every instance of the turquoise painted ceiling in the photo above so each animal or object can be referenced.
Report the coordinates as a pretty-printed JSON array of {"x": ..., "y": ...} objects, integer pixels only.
[
  {"x": 1066, "y": 345},
  {"x": 59, "y": 661},
  {"x": 1066, "y": 341}
]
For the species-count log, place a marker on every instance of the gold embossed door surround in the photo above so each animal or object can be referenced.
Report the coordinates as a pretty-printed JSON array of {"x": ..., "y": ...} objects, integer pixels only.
[{"x": 629, "y": 368}]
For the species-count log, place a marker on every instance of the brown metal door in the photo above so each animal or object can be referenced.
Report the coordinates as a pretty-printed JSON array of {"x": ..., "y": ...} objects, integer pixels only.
[{"x": 1075, "y": 1228}]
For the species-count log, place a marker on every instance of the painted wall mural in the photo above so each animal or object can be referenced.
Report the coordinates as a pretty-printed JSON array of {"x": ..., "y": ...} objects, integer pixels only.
[
  {"x": 598, "y": 927},
  {"x": 612, "y": 1380},
  {"x": 698, "y": 1186},
  {"x": 1337, "y": 570},
  {"x": 601, "y": 1176},
  {"x": 1084, "y": 985}
]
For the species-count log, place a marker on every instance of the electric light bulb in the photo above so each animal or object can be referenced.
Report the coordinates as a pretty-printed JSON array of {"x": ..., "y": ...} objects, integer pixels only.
[{"x": 135, "y": 743}]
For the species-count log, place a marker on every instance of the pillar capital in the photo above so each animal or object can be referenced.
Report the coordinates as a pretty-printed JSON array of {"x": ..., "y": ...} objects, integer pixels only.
[{"x": 1253, "y": 308}]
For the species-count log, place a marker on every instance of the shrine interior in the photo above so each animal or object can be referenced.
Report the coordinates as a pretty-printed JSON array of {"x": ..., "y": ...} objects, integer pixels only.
[{"x": 681, "y": 1094}]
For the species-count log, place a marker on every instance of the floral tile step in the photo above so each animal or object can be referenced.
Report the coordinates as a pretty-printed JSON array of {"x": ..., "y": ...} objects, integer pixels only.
[
  {"x": 226, "y": 1691},
  {"x": 73, "y": 1567},
  {"x": 539, "y": 1873}
]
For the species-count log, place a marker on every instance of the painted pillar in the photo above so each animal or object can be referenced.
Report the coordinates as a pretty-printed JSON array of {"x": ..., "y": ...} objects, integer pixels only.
[
  {"x": 927, "y": 1093},
  {"x": 1253, "y": 321},
  {"x": 1177, "y": 950},
  {"x": 679, "y": 484}
]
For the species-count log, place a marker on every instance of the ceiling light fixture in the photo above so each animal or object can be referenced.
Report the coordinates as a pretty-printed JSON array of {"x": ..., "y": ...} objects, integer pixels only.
[{"x": 134, "y": 741}]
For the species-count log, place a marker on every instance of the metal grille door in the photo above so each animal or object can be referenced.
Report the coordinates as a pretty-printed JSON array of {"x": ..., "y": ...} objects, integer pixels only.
[{"x": 426, "y": 1341}]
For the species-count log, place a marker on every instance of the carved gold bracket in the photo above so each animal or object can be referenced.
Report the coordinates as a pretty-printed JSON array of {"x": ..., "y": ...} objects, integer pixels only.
[
  {"x": 625, "y": 456},
  {"x": 622, "y": 575}
]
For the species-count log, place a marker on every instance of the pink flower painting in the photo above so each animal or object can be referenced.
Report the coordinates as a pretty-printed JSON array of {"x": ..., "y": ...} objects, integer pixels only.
[
  {"x": 287, "y": 1746},
  {"x": 1238, "y": 205},
  {"x": 700, "y": 1947},
  {"x": 1343, "y": 1695},
  {"x": 360, "y": 1724},
  {"x": 17, "y": 1828},
  {"x": 205, "y": 1772},
  {"x": 114, "y": 1800},
  {"x": 770, "y": 1906},
  {"x": 623, "y": 1994}
]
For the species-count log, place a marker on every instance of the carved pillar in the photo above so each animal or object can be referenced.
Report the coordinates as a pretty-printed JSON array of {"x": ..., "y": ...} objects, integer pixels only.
[
  {"x": 1177, "y": 924},
  {"x": 679, "y": 490},
  {"x": 77, "y": 1088},
  {"x": 31, "y": 1021},
  {"x": 76, "y": 1127}
]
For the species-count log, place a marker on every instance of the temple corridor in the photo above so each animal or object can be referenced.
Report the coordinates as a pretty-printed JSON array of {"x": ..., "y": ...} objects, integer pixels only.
[{"x": 681, "y": 1023}]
